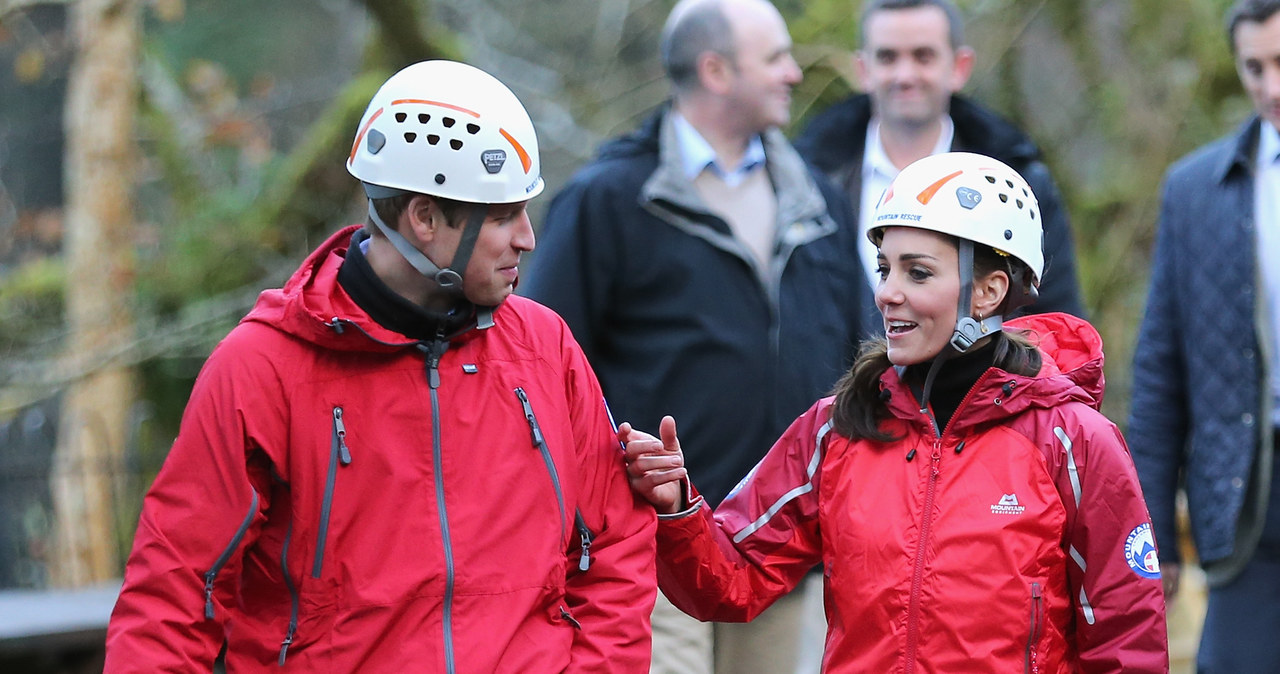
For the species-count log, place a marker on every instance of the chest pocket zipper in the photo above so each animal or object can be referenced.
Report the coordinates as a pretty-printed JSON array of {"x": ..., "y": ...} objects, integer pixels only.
[
  {"x": 540, "y": 442},
  {"x": 339, "y": 454}
]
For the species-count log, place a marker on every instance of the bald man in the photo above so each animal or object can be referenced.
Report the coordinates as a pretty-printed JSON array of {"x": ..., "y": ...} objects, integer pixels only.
[{"x": 709, "y": 273}]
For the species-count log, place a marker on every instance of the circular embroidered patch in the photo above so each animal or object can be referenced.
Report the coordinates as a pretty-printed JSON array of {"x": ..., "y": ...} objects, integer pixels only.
[{"x": 1140, "y": 552}]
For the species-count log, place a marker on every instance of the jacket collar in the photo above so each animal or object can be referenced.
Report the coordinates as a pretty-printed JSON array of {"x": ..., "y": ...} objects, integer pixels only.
[
  {"x": 837, "y": 138},
  {"x": 313, "y": 306},
  {"x": 799, "y": 198},
  {"x": 1071, "y": 371},
  {"x": 1241, "y": 158}
]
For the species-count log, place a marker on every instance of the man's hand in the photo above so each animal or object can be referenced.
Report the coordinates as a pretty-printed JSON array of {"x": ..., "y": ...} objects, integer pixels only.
[
  {"x": 655, "y": 466},
  {"x": 1170, "y": 576}
]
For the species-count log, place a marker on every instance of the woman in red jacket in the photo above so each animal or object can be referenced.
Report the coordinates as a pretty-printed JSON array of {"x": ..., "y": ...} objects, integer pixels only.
[{"x": 971, "y": 508}]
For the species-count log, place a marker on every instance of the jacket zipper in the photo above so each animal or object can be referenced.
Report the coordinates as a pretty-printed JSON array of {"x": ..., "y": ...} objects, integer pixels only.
[
  {"x": 585, "y": 536},
  {"x": 568, "y": 617},
  {"x": 540, "y": 442},
  {"x": 1037, "y": 620},
  {"x": 917, "y": 577},
  {"x": 926, "y": 526},
  {"x": 293, "y": 596},
  {"x": 212, "y": 573},
  {"x": 338, "y": 453},
  {"x": 435, "y": 350}
]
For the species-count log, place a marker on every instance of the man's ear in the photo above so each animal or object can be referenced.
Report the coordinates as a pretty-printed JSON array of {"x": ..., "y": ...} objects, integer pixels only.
[
  {"x": 422, "y": 217},
  {"x": 989, "y": 293},
  {"x": 965, "y": 58},
  {"x": 860, "y": 69},
  {"x": 715, "y": 72}
]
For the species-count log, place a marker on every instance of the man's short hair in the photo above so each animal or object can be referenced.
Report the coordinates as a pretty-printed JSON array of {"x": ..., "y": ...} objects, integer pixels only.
[
  {"x": 955, "y": 22},
  {"x": 1255, "y": 11},
  {"x": 690, "y": 31},
  {"x": 390, "y": 208}
]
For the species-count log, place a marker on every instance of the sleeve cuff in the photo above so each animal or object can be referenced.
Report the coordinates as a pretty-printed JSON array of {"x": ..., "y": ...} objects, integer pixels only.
[{"x": 694, "y": 500}]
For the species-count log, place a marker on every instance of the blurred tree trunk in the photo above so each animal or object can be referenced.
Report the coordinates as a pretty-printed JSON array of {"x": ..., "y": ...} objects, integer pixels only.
[{"x": 98, "y": 250}]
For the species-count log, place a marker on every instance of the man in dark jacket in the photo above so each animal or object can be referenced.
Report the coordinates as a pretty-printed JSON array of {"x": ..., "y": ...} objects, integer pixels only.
[
  {"x": 710, "y": 274},
  {"x": 912, "y": 62},
  {"x": 1206, "y": 388}
]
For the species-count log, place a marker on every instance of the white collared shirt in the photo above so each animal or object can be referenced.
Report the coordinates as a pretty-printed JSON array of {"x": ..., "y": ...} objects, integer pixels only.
[
  {"x": 877, "y": 173},
  {"x": 1266, "y": 218},
  {"x": 697, "y": 155}
]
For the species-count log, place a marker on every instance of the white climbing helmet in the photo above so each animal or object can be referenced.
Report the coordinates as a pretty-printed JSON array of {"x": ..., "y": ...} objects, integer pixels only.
[
  {"x": 981, "y": 201},
  {"x": 969, "y": 196},
  {"x": 449, "y": 130}
]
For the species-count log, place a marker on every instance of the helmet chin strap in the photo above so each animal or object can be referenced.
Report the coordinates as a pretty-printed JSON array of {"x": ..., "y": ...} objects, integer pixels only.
[
  {"x": 968, "y": 329},
  {"x": 449, "y": 279}
]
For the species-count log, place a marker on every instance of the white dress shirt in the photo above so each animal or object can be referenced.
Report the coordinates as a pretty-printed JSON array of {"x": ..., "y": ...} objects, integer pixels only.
[
  {"x": 1266, "y": 218},
  {"x": 741, "y": 195},
  {"x": 696, "y": 154}
]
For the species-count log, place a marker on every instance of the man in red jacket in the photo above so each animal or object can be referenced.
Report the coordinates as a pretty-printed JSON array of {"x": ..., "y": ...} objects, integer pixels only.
[{"x": 391, "y": 464}]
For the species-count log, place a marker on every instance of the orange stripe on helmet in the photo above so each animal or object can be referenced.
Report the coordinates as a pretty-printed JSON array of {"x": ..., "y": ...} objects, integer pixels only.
[
  {"x": 525, "y": 161},
  {"x": 406, "y": 101},
  {"x": 927, "y": 195},
  {"x": 360, "y": 136}
]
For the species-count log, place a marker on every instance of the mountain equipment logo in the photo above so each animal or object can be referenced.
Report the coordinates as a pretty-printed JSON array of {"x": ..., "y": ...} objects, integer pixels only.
[
  {"x": 1007, "y": 505},
  {"x": 1140, "y": 552}
]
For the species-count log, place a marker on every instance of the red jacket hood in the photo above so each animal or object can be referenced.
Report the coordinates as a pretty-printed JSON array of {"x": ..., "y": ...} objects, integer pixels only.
[
  {"x": 1071, "y": 346},
  {"x": 1071, "y": 351},
  {"x": 314, "y": 307}
]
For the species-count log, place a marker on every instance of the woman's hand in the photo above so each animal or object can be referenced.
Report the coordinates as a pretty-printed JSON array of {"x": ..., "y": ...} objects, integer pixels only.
[{"x": 655, "y": 466}]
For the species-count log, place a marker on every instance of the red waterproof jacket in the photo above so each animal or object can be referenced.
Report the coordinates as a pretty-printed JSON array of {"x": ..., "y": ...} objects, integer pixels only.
[
  {"x": 343, "y": 499},
  {"x": 1014, "y": 540}
]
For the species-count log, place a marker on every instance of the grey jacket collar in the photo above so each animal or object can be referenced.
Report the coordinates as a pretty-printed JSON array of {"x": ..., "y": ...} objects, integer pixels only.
[{"x": 802, "y": 211}]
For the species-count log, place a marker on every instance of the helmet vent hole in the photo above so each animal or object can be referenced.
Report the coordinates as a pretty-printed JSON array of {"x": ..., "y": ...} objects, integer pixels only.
[
  {"x": 423, "y": 118},
  {"x": 433, "y": 139},
  {"x": 410, "y": 137},
  {"x": 439, "y": 178},
  {"x": 1019, "y": 202},
  {"x": 991, "y": 179},
  {"x": 473, "y": 129},
  {"x": 1033, "y": 215},
  {"x": 1009, "y": 183},
  {"x": 455, "y": 144},
  {"x": 1004, "y": 198},
  {"x": 1008, "y": 235},
  {"x": 1025, "y": 193},
  {"x": 448, "y": 122},
  {"x": 400, "y": 117}
]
